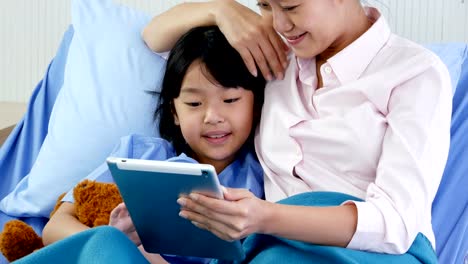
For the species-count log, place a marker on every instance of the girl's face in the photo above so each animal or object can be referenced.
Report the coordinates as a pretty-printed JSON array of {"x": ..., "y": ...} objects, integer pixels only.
[
  {"x": 215, "y": 121},
  {"x": 312, "y": 27}
]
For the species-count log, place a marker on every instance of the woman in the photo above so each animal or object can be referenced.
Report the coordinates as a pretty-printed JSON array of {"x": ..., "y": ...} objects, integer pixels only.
[{"x": 358, "y": 110}]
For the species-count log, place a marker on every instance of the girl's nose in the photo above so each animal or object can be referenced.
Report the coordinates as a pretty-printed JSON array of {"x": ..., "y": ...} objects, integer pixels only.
[{"x": 213, "y": 116}]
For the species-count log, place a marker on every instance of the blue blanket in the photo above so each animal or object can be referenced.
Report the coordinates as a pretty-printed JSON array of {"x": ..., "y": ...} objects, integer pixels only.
[
  {"x": 108, "y": 245},
  {"x": 101, "y": 245},
  {"x": 270, "y": 249}
]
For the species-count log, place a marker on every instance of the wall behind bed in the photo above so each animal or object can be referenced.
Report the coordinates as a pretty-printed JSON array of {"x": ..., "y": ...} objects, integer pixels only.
[{"x": 30, "y": 32}]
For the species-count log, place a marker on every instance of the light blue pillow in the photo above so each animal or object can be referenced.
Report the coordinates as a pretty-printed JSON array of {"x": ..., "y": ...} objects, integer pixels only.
[
  {"x": 453, "y": 55},
  {"x": 449, "y": 210},
  {"x": 108, "y": 74}
]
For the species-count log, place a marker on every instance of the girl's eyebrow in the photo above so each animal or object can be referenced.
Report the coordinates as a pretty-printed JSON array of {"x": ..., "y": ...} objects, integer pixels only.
[{"x": 191, "y": 90}]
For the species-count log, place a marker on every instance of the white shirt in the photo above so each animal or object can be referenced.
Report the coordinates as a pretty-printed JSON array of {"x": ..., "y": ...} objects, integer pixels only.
[{"x": 378, "y": 129}]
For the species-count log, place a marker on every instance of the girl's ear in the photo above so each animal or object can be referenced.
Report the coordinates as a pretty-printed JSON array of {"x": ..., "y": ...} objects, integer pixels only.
[
  {"x": 176, "y": 119},
  {"x": 174, "y": 114}
]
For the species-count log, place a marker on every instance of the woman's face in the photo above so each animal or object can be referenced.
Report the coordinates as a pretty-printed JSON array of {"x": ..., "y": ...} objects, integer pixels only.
[
  {"x": 215, "y": 121},
  {"x": 311, "y": 27}
]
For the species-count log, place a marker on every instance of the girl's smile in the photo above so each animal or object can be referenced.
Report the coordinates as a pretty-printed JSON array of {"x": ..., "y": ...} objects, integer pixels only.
[{"x": 217, "y": 137}]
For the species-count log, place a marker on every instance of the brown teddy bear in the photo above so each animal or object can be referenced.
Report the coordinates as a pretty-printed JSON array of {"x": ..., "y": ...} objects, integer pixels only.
[{"x": 94, "y": 202}]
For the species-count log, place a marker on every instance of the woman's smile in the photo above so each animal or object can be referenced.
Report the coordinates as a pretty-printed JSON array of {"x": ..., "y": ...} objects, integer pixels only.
[{"x": 294, "y": 40}]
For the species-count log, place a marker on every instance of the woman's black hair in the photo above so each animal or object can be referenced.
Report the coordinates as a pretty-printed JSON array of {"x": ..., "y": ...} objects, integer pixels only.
[{"x": 223, "y": 65}]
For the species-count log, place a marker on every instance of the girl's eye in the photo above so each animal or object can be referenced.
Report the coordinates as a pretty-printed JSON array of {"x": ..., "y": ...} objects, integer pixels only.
[
  {"x": 193, "y": 104},
  {"x": 232, "y": 100}
]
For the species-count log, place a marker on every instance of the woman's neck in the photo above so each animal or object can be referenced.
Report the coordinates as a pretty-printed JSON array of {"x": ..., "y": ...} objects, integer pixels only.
[{"x": 358, "y": 25}]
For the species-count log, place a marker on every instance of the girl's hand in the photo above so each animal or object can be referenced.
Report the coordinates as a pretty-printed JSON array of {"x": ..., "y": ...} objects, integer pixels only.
[
  {"x": 239, "y": 215},
  {"x": 253, "y": 37},
  {"x": 120, "y": 219}
]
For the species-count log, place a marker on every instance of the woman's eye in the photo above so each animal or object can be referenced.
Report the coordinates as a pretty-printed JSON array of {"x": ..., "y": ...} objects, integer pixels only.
[
  {"x": 231, "y": 100},
  {"x": 193, "y": 104},
  {"x": 289, "y": 8},
  {"x": 264, "y": 6}
]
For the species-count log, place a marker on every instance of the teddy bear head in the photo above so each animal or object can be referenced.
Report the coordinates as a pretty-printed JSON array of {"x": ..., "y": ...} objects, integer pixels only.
[{"x": 94, "y": 202}]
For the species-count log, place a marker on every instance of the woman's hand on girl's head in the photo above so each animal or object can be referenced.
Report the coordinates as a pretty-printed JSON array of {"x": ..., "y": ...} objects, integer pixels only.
[
  {"x": 120, "y": 219},
  {"x": 239, "y": 215},
  {"x": 253, "y": 37}
]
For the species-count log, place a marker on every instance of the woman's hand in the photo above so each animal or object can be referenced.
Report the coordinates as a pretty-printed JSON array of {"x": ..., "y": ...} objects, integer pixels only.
[
  {"x": 239, "y": 215},
  {"x": 120, "y": 219},
  {"x": 253, "y": 37}
]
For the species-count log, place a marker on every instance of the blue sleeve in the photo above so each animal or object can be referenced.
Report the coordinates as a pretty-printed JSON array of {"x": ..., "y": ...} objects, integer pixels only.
[
  {"x": 132, "y": 146},
  {"x": 245, "y": 172}
]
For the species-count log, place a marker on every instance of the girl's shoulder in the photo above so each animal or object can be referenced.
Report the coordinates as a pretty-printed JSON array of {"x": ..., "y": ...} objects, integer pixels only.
[{"x": 144, "y": 147}]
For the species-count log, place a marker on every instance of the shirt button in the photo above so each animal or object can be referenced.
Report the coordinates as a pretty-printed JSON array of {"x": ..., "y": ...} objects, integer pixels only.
[{"x": 328, "y": 69}]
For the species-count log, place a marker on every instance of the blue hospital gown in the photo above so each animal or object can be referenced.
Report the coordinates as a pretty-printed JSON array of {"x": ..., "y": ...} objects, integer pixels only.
[{"x": 245, "y": 172}]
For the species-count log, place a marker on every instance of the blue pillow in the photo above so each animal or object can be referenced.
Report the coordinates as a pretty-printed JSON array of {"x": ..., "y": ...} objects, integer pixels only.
[
  {"x": 449, "y": 210},
  {"x": 18, "y": 153},
  {"x": 453, "y": 55},
  {"x": 108, "y": 74}
]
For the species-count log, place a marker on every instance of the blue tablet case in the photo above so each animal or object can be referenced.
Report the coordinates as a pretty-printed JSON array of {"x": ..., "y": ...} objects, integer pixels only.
[{"x": 151, "y": 199}]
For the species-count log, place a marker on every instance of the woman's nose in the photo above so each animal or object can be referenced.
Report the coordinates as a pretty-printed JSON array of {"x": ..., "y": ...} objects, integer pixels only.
[{"x": 281, "y": 22}]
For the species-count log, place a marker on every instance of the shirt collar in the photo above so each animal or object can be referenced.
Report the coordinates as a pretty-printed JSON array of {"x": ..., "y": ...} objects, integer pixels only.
[
  {"x": 351, "y": 62},
  {"x": 307, "y": 72}
]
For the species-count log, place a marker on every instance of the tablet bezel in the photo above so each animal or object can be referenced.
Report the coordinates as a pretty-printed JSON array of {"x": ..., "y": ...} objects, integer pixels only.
[{"x": 164, "y": 182}]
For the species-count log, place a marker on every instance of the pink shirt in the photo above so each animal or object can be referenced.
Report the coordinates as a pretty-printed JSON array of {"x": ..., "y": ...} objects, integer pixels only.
[{"x": 378, "y": 129}]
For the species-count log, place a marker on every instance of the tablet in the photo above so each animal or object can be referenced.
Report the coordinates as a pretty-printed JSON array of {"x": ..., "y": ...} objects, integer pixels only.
[{"x": 150, "y": 190}]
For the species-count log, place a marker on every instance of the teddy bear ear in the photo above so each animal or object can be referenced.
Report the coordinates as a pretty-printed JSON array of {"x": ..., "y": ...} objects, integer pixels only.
[
  {"x": 78, "y": 192},
  {"x": 84, "y": 184}
]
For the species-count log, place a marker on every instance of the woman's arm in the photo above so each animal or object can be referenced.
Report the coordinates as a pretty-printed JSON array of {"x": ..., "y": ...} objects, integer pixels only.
[
  {"x": 250, "y": 34},
  {"x": 62, "y": 224},
  {"x": 165, "y": 29},
  {"x": 242, "y": 214}
]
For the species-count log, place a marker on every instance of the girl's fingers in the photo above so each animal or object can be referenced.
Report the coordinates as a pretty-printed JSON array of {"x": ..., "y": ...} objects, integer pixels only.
[{"x": 117, "y": 211}]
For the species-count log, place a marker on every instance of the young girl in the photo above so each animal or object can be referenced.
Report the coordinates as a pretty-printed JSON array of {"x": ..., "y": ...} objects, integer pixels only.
[
  {"x": 358, "y": 111},
  {"x": 208, "y": 109}
]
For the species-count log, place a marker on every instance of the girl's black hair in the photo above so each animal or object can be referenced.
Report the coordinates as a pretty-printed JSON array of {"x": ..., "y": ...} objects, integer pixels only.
[{"x": 223, "y": 65}]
